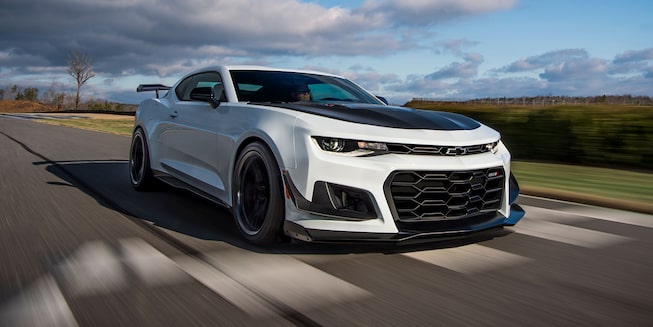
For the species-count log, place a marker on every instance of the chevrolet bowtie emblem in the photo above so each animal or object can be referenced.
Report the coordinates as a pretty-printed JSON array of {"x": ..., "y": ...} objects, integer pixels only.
[{"x": 457, "y": 151}]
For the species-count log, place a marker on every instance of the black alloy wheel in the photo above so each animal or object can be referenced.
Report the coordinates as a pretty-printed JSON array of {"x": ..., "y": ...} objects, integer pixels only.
[
  {"x": 258, "y": 203},
  {"x": 140, "y": 172}
]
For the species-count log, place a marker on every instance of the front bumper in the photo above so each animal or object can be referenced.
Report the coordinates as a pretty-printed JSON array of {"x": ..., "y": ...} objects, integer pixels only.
[
  {"x": 443, "y": 230},
  {"x": 379, "y": 220}
]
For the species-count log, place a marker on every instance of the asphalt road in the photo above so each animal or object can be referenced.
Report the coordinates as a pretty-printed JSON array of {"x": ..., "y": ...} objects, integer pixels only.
[{"x": 79, "y": 247}]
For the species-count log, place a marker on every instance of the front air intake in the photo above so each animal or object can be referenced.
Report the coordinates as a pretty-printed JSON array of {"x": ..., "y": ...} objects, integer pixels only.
[{"x": 444, "y": 195}]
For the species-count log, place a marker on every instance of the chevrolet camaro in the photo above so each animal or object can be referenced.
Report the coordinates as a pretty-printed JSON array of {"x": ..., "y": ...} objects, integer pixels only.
[{"x": 316, "y": 157}]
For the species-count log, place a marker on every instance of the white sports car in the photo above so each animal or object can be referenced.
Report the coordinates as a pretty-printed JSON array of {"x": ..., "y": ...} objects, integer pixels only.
[{"x": 318, "y": 158}]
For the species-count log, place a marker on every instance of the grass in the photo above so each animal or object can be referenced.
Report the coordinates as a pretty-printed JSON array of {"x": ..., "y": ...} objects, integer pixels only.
[
  {"x": 606, "y": 187},
  {"x": 600, "y": 186}
]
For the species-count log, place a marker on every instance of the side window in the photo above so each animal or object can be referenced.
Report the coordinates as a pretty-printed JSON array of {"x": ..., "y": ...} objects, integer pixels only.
[
  {"x": 208, "y": 79},
  {"x": 181, "y": 88}
]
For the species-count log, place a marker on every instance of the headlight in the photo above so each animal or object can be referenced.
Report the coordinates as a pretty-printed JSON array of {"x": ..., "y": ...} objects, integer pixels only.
[
  {"x": 350, "y": 147},
  {"x": 493, "y": 147},
  {"x": 333, "y": 145}
]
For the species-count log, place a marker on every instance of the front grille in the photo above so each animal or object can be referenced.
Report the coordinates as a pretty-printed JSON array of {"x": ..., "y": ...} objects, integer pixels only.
[
  {"x": 435, "y": 150},
  {"x": 444, "y": 195}
]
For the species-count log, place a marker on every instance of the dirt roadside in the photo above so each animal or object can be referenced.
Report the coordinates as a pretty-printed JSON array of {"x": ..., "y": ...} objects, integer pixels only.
[{"x": 31, "y": 107}]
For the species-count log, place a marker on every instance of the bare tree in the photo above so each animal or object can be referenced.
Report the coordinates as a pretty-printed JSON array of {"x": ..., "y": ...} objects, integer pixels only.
[
  {"x": 79, "y": 67},
  {"x": 55, "y": 95}
]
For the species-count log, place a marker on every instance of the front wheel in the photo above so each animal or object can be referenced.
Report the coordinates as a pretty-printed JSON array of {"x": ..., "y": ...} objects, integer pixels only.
[{"x": 258, "y": 204}]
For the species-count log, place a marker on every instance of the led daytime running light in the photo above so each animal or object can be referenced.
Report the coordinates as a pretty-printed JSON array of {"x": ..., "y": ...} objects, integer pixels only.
[{"x": 375, "y": 146}]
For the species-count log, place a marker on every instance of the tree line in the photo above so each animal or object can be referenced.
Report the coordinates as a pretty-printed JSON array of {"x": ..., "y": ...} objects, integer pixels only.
[
  {"x": 551, "y": 100},
  {"x": 613, "y": 135},
  {"x": 56, "y": 95},
  {"x": 60, "y": 99}
]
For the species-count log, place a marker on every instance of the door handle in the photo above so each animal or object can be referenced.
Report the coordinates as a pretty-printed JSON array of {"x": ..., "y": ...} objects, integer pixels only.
[{"x": 174, "y": 114}]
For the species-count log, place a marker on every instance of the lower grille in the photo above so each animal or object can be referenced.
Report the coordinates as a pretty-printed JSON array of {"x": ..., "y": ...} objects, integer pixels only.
[{"x": 444, "y": 195}]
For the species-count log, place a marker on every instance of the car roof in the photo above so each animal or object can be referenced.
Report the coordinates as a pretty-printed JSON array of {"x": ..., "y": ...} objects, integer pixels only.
[{"x": 222, "y": 68}]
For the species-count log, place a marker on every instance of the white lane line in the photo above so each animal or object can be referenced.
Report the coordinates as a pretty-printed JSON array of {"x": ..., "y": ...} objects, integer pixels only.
[
  {"x": 93, "y": 269},
  {"x": 97, "y": 268},
  {"x": 226, "y": 287},
  {"x": 469, "y": 259},
  {"x": 556, "y": 216},
  {"x": 42, "y": 304},
  {"x": 149, "y": 264},
  {"x": 618, "y": 216},
  {"x": 285, "y": 279},
  {"x": 583, "y": 210},
  {"x": 567, "y": 234},
  {"x": 259, "y": 284}
]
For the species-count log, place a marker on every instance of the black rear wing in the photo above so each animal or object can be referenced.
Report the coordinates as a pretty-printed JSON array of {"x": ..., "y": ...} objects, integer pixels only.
[{"x": 152, "y": 87}]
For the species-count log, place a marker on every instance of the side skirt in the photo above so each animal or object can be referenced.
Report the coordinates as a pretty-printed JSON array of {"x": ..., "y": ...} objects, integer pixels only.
[{"x": 174, "y": 182}]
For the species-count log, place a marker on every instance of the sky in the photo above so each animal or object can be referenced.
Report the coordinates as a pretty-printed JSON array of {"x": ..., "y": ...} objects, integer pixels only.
[{"x": 400, "y": 49}]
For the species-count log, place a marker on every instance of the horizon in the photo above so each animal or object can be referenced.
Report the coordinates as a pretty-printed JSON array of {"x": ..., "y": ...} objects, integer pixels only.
[{"x": 594, "y": 100}]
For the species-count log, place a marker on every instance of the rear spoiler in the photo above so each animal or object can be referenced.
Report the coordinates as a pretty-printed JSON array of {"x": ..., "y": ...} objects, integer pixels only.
[{"x": 152, "y": 87}]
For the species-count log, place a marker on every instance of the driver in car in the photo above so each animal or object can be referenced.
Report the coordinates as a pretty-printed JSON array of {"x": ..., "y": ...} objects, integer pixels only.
[{"x": 302, "y": 93}]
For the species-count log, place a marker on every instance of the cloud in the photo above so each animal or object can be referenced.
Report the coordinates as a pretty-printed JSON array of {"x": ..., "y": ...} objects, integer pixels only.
[
  {"x": 429, "y": 12},
  {"x": 14, "y": 57},
  {"x": 576, "y": 70},
  {"x": 122, "y": 35},
  {"x": 456, "y": 47},
  {"x": 544, "y": 60},
  {"x": 366, "y": 77},
  {"x": 634, "y": 56},
  {"x": 134, "y": 34},
  {"x": 465, "y": 69},
  {"x": 501, "y": 87},
  {"x": 638, "y": 62},
  {"x": 571, "y": 72},
  {"x": 372, "y": 80}
]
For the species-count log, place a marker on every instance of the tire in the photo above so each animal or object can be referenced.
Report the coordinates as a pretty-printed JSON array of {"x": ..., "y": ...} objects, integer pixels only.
[
  {"x": 258, "y": 204},
  {"x": 140, "y": 172}
]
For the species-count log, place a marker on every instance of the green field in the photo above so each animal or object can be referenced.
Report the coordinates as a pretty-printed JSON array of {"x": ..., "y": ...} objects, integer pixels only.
[
  {"x": 617, "y": 188},
  {"x": 608, "y": 187}
]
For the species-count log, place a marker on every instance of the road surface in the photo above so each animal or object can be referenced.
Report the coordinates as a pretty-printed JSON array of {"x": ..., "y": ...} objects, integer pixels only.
[{"x": 79, "y": 247}]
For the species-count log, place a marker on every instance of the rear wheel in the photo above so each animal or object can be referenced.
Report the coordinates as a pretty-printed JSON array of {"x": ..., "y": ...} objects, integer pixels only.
[
  {"x": 140, "y": 172},
  {"x": 258, "y": 204}
]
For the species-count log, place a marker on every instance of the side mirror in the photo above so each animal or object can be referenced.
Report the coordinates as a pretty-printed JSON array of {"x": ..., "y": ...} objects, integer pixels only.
[{"x": 207, "y": 94}]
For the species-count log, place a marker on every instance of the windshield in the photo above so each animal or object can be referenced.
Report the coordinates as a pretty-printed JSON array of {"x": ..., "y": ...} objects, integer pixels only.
[{"x": 275, "y": 86}]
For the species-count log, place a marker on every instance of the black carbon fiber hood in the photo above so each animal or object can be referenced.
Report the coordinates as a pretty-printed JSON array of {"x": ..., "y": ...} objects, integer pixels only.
[{"x": 386, "y": 116}]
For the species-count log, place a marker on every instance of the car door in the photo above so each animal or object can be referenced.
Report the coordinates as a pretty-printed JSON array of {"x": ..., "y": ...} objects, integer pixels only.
[{"x": 189, "y": 140}]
